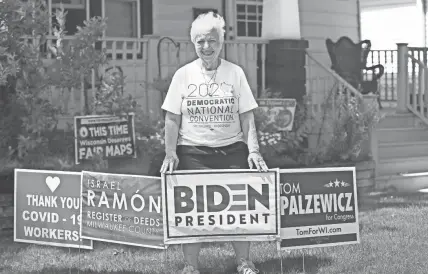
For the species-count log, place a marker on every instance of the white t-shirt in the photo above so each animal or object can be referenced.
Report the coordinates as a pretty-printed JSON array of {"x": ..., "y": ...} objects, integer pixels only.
[{"x": 209, "y": 104}]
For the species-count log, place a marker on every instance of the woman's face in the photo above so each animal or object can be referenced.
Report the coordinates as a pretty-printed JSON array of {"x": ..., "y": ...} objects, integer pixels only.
[{"x": 208, "y": 46}]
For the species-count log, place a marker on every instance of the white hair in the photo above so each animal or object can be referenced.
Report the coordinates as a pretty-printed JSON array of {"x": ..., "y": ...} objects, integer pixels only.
[{"x": 206, "y": 22}]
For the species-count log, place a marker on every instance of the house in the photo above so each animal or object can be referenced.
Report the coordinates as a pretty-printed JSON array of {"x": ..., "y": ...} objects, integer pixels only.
[
  {"x": 149, "y": 40},
  {"x": 136, "y": 26}
]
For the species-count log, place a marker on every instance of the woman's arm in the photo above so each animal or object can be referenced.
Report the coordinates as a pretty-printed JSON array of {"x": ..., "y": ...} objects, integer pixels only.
[
  {"x": 172, "y": 125},
  {"x": 249, "y": 130},
  {"x": 250, "y": 135}
]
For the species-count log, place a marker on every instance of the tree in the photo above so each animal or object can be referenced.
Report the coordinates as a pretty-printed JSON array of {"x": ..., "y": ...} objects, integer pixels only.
[{"x": 29, "y": 119}]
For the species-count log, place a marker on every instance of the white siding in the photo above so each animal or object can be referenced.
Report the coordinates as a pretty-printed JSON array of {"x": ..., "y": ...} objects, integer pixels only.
[
  {"x": 173, "y": 18},
  {"x": 324, "y": 19}
]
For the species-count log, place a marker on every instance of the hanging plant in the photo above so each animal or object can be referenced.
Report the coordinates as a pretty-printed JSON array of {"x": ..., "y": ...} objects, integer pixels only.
[{"x": 162, "y": 83}]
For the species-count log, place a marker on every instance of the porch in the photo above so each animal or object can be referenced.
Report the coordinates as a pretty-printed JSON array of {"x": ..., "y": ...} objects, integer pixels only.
[
  {"x": 402, "y": 137},
  {"x": 143, "y": 61},
  {"x": 398, "y": 146}
]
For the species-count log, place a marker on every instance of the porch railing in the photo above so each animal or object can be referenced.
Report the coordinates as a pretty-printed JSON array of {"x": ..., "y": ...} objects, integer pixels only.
[
  {"x": 416, "y": 97},
  {"x": 388, "y": 82},
  {"x": 248, "y": 54},
  {"x": 412, "y": 81},
  {"x": 324, "y": 90},
  {"x": 329, "y": 95},
  {"x": 321, "y": 81},
  {"x": 140, "y": 63},
  {"x": 116, "y": 48}
]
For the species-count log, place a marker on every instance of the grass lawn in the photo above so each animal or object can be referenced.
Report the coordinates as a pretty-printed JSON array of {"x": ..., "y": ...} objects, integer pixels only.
[{"x": 394, "y": 239}]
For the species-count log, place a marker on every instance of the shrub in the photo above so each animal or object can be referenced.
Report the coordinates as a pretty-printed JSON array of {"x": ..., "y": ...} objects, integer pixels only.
[
  {"x": 343, "y": 124},
  {"x": 29, "y": 118}
]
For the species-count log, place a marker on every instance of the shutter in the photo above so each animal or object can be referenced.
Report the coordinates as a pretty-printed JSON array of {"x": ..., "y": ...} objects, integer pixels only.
[{"x": 146, "y": 13}]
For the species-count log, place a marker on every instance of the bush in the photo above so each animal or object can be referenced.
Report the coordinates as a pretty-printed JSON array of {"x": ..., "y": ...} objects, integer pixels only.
[
  {"x": 343, "y": 129},
  {"x": 29, "y": 120}
]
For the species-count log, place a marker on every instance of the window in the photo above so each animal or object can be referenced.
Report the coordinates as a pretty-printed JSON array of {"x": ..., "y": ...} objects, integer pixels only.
[
  {"x": 249, "y": 18},
  {"x": 123, "y": 15},
  {"x": 69, "y": 4},
  {"x": 76, "y": 14},
  {"x": 123, "y": 18}
]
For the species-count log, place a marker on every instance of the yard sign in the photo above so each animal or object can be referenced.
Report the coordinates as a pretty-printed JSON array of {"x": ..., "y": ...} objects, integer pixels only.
[
  {"x": 318, "y": 207},
  {"x": 220, "y": 205},
  {"x": 110, "y": 136},
  {"x": 124, "y": 209},
  {"x": 47, "y": 208},
  {"x": 276, "y": 114}
]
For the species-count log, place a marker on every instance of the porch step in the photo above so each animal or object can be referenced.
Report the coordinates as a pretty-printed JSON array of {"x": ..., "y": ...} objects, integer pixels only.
[
  {"x": 390, "y": 150},
  {"x": 404, "y": 134},
  {"x": 399, "y": 120},
  {"x": 393, "y": 166},
  {"x": 403, "y": 184}
]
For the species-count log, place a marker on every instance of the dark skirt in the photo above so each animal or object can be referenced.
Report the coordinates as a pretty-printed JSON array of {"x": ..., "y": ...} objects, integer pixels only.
[{"x": 233, "y": 156}]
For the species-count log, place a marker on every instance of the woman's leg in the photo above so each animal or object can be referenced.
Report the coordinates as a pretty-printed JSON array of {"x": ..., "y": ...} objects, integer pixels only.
[
  {"x": 191, "y": 251},
  {"x": 238, "y": 160},
  {"x": 242, "y": 251}
]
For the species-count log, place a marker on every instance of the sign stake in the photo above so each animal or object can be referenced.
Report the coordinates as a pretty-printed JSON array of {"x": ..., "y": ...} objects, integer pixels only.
[
  {"x": 303, "y": 261},
  {"x": 280, "y": 260},
  {"x": 165, "y": 257},
  {"x": 69, "y": 253}
]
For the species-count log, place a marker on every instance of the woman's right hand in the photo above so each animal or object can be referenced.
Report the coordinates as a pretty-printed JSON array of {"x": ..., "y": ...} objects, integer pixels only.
[{"x": 170, "y": 162}]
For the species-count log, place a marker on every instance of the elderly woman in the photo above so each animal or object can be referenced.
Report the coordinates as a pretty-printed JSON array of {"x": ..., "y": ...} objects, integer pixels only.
[{"x": 209, "y": 121}]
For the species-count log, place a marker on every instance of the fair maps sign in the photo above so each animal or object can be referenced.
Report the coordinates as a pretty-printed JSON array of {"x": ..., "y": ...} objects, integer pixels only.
[
  {"x": 47, "y": 208},
  {"x": 220, "y": 205},
  {"x": 109, "y": 136},
  {"x": 318, "y": 207}
]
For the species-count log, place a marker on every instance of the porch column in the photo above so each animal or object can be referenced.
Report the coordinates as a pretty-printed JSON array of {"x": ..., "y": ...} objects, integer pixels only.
[
  {"x": 286, "y": 51},
  {"x": 402, "y": 77},
  {"x": 281, "y": 19}
]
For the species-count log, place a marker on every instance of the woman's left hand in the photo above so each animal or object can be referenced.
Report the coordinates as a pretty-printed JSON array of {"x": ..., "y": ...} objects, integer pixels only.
[{"x": 255, "y": 158}]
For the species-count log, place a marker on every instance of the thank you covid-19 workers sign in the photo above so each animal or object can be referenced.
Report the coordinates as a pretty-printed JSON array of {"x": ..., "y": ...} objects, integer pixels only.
[
  {"x": 318, "y": 207},
  {"x": 220, "y": 205},
  {"x": 123, "y": 209},
  {"x": 47, "y": 208},
  {"x": 110, "y": 136}
]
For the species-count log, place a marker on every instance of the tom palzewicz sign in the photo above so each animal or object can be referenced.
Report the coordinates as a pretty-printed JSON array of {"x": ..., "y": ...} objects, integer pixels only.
[{"x": 318, "y": 207}]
